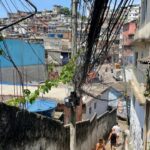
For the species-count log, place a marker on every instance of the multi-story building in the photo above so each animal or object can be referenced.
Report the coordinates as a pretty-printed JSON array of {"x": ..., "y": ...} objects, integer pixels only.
[
  {"x": 134, "y": 11},
  {"x": 129, "y": 30},
  {"x": 140, "y": 105},
  {"x": 58, "y": 47}
]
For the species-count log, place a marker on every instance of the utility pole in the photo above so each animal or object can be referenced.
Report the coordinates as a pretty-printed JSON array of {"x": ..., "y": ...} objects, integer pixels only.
[
  {"x": 72, "y": 102},
  {"x": 74, "y": 27},
  {"x": 73, "y": 129},
  {"x": 74, "y": 52}
]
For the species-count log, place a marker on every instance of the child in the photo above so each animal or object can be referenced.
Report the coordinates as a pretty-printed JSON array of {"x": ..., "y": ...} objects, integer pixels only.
[{"x": 100, "y": 145}]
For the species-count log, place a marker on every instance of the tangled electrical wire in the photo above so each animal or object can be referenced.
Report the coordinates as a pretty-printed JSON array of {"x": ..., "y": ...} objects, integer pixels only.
[{"x": 106, "y": 17}]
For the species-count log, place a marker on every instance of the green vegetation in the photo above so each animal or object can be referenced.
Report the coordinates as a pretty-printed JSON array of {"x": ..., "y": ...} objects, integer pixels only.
[
  {"x": 65, "y": 77},
  {"x": 84, "y": 18},
  {"x": 65, "y": 11}
]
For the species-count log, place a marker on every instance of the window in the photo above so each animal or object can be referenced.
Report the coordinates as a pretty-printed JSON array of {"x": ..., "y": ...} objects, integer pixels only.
[
  {"x": 95, "y": 105},
  {"x": 136, "y": 58},
  {"x": 90, "y": 110},
  {"x": 131, "y": 37},
  {"x": 125, "y": 27}
]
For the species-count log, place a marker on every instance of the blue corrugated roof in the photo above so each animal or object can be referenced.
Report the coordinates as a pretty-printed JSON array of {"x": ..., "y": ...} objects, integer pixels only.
[
  {"x": 22, "y": 53},
  {"x": 42, "y": 105}
]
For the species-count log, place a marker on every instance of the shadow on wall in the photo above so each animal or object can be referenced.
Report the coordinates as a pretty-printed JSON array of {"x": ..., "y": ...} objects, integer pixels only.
[
  {"x": 89, "y": 132},
  {"x": 21, "y": 130}
]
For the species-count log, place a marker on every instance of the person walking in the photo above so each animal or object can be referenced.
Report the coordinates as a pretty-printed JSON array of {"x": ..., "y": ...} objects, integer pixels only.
[
  {"x": 113, "y": 139},
  {"x": 100, "y": 145},
  {"x": 117, "y": 130}
]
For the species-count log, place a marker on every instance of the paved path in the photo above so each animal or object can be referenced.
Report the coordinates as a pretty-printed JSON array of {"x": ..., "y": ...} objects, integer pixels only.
[
  {"x": 107, "y": 76},
  {"x": 122, "y": 144}
]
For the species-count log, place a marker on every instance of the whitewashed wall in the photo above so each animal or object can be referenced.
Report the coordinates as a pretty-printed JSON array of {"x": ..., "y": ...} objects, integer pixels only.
[{"x": 136, "y": 126}]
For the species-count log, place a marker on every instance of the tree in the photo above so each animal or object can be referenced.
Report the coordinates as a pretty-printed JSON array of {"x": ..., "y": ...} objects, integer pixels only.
[
  {"x": 65, "y": 11},
  {"x": 66, "y": 76}
]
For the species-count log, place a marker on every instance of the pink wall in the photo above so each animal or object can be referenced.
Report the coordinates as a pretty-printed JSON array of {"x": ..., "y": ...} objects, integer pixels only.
[{"x": 131, "y": 29}]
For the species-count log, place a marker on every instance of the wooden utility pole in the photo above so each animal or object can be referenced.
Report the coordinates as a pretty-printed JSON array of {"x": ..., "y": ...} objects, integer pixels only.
[{"x": 74, "y": 27}]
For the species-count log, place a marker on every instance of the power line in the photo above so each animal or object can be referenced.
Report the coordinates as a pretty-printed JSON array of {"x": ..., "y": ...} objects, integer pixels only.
[
  {"x": 92, "y": 55},
  {"x": 8, "y": 56},
  {"x": 23, "y": 18}
]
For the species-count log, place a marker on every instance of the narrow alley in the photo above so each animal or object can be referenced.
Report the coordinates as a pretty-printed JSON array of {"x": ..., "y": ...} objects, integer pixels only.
[{"x": 123, "y": 142}]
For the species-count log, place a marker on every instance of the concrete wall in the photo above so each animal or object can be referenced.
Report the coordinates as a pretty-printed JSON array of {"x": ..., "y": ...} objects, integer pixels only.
[
  {"x": 136, "y": 125},
  {"x": 143, "y": 32},
  {"x": 147, "y": 124},
  {"x": 88, "y": 132},
  {"x": 29, "y": 73},
  {"x": 21, "y": 130},
  {"x": 145, "y": 16}
]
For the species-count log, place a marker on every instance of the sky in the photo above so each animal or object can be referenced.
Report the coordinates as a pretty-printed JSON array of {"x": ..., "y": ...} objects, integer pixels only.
[
  {"x": 41, "y": 4},
  {"x": 46, "y": 4}
]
